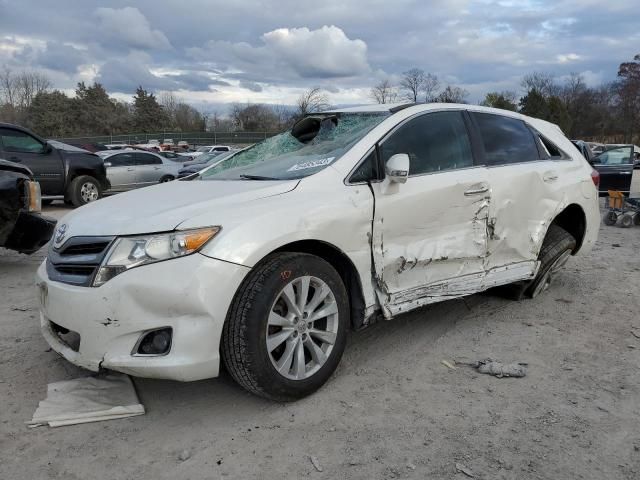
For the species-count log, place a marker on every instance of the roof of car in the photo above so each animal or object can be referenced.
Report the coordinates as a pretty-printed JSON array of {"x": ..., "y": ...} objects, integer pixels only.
[{"x": 378, "y": 107}]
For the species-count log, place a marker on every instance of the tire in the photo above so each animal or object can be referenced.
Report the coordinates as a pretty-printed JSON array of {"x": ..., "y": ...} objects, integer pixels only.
[
  {"x": 610, "y": 218},
  {"x": 626, "y": 221},
  {"x": 260, "y": 314},
  {"x": 83, "y": 189},
  {"x": 166, "y": 178},
  {"x": 636, "y": 219},
  {"x": 556, "y": 250}
]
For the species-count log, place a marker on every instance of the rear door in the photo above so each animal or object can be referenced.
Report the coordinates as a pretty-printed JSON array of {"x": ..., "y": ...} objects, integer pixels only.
[
  {"x": 45, "y": 162},
  {"x": 149, "y": 169},
  {"x": 616, "y": 169},
  {"x": 121, "y": 171},
  {"x": 528, "y": 181},
  {"x": 430, "y": 233}
]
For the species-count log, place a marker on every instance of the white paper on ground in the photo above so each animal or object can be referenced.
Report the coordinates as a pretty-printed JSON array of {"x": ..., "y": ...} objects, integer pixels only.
[{"x": 88, "y": 399}]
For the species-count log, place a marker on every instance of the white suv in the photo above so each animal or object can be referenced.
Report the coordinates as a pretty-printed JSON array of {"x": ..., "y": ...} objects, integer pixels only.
[{"x": 267, "y": 259}]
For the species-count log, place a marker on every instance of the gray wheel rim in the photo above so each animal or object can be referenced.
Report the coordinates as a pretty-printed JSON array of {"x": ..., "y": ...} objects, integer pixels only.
[
  {"x": 546, "y": 279},
  {"x": 89, "y": 192},
  {"x": 302, "y": 328}
]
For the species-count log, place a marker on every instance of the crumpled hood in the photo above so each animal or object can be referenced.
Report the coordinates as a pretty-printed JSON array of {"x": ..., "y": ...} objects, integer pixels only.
[{"x": 163, "y": 207}]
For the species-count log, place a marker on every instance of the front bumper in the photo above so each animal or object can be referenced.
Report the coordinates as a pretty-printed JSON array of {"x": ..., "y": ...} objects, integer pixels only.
[{"x": 191, "y": 295}]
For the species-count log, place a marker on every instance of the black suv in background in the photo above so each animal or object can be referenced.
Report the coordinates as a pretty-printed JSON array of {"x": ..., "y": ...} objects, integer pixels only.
[{"x": 63, "y": 171}]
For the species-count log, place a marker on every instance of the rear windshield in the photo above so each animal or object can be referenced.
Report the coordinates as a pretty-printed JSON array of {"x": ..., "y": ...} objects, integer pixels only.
[{"x": 314, "y": 143}]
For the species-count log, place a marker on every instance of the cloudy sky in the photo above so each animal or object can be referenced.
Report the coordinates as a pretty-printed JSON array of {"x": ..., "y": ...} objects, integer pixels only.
[{"x": 214, "y": 52}]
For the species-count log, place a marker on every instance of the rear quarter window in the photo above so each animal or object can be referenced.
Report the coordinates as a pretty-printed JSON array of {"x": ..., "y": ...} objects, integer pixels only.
[{"x": 505, "y": 140}]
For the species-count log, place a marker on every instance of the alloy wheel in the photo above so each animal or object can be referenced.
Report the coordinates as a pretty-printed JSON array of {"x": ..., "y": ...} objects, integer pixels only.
[{"x": 302, "y": 328}]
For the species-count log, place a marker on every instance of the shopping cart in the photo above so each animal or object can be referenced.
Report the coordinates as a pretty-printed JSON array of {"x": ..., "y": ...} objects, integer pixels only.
[{"x": 625, "y": 208}]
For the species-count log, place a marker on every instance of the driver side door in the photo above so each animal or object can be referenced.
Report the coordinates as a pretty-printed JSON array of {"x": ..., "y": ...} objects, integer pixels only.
[
  {"x": 430, "y": 233},
  {"x": 616, "y": 169}
]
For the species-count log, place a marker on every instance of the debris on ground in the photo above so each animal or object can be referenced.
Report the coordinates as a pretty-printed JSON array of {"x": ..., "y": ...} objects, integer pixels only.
[
  {"x": 635, "y": 334},
  {"x": 87, "y": 399},
  {"x": 500, "y": 370},
  {"x": 448, "y": 364},
  {"x": 463, "y": 469},
  {"x": 20, "y": 309},
  {"x": 315, "y": 463},
  {"x": 184, "y": 455}
]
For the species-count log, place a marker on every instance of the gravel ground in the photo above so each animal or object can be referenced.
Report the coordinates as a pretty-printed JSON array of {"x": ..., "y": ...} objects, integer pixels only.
[{"x": 392, "y": 410}]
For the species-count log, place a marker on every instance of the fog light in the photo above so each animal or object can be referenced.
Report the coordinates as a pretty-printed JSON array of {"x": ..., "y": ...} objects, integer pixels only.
[{"x": 156, "y": 342}]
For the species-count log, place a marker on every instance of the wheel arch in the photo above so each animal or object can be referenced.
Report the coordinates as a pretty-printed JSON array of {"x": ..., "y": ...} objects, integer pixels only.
[
  {"x": 343, "y": 265},
  {"x": 574, "y": 220}
]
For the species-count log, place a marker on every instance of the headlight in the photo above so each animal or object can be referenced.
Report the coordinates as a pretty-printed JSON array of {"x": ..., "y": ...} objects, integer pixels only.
[
  {"x": 130, "y": 252},
  {"x": 32, "y": 196}
]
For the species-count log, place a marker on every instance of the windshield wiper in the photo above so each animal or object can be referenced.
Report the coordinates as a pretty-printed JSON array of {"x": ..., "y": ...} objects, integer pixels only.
[{"x": 257, "y": 177}]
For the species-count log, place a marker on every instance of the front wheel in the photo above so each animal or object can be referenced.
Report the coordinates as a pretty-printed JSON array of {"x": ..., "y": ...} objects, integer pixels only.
[
  {"x": 610, "y": 218},
  {"x": 286, "y": 329},
  {"x": 82, "y": 190}
]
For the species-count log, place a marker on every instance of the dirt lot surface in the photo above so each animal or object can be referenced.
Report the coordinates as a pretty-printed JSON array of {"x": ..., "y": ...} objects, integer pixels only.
[{"x": 392, "y": 410}]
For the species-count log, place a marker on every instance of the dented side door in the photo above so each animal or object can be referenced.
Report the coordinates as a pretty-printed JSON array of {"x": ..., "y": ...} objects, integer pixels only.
[{"x": 429, "y": 235}]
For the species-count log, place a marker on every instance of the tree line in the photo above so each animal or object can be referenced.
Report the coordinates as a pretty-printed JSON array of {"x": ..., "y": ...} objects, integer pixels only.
[
  {"x": 610, "y": 111},
  {"x": 607, "y": 112}
]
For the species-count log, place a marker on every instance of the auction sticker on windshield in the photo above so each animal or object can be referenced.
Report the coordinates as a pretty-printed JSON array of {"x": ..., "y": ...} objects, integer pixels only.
[{"x": 312, "y": 164}]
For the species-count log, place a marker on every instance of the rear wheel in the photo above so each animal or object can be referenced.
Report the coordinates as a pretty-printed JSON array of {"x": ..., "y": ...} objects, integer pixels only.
[
  {"x": 166, "y": 178},
  {"x": 82, "y": 190},
  {"x": 636, "y": 219},
  {"x": 286, "y": 329},
  {"x": 556, "y": 249}
]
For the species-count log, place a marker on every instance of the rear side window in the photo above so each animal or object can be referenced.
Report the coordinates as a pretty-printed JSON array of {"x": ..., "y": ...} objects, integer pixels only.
[
  {"x": 147, "y": 159},
  {"x": 434, "y": 142},
  {"x": 505, "y": 140}
]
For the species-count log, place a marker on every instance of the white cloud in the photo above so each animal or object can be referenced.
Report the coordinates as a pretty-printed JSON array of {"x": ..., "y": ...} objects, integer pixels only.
[
  {"x": 129, "y": 26},
  {"x": 569, "y": 57}
]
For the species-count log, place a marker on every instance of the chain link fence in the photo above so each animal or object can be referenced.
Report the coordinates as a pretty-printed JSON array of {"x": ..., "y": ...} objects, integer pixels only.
[{"x": 192, "y": 138}]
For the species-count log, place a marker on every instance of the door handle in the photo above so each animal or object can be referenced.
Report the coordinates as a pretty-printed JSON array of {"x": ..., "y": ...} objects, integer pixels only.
[
  {"x": 550, "y": 177},
  {"x": 477, "y": 189}
]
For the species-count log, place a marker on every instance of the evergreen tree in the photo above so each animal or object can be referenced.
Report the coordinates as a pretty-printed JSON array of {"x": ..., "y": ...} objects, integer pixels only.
[{"x": 148, "y": 115}]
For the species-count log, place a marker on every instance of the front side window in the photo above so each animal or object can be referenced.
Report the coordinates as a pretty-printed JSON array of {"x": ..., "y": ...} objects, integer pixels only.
[
  {"x": 314, "y": 143},
  {"x": 367, "y": 170},
  {"x": 434, "y": 142},
  {"x": 19, "y": 142},
  {"x": 616, "y": 156},
  {"x": 506, "y": 140},
  {"x": 121, "y": 160}
]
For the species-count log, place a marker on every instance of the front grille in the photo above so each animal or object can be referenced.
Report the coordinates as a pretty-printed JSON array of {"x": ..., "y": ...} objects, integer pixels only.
[
  {"x": 77, "y": 260},
  {"x": 88, "y": 249}
]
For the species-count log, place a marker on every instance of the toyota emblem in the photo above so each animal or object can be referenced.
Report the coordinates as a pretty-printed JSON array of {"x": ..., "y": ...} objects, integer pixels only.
[{"x": 60, "y": 233}]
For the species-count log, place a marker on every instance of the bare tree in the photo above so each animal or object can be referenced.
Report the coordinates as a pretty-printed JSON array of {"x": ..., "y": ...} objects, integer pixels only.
[
  {"x": 430, "y": 87},
  {"x": 412, "y": 84},
  {"x": 384, "y": 92},
  {"x": 8, "y": 87},
  {"x": 543, "y": 82},
  {"x": 169, "y": 102},
  {"x": 30, "y": 84},
  {"x": 312, "y": 100},
  {"x": 452, "y": 94}
]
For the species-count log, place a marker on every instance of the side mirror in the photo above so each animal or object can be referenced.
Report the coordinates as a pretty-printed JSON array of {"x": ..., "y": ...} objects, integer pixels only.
[
  {"x": 107, "y": 164},
  {"x": 397, "y": 168},
  {"x": 47, "y": 148}
]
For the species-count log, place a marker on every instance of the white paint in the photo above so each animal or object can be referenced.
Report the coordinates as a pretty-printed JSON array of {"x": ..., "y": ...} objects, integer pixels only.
[{"x": 428, "y": 240}]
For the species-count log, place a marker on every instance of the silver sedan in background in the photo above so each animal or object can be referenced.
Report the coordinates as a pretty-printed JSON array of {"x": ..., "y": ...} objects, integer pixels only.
[{"x": 129, "y": 169}]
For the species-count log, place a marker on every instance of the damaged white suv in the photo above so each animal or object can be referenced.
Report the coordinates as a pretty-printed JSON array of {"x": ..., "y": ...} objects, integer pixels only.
[{"x": 265, "y": 261}]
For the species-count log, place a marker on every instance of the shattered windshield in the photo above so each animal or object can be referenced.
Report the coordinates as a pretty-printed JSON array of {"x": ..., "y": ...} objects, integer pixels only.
[{"x": 311, "y": 145}]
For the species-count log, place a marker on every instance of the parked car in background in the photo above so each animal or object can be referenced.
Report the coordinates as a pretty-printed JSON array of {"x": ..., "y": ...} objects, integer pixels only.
[
  {"x": 63, "y": 171},
  {"x": 636, "y": 152},
  {"x": 211, "y": 148},
  {"x": 208, "y": 160},
  {"x": 116, "y": 145},
  {"x": 595, "y": 147},
  {"x": 89, "y": 147},
  {"x": 615, "y": 166},
  {"x": 172, "y": 156},
  {"x": 167, "y": 144},
  {"x": 269, "y": 258},
  {"x": 129, "y": 169},
  {"x": 202, "y": 158},
  {"x": 22, "y": 227},
  {"x": 183, "y": 145}
]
